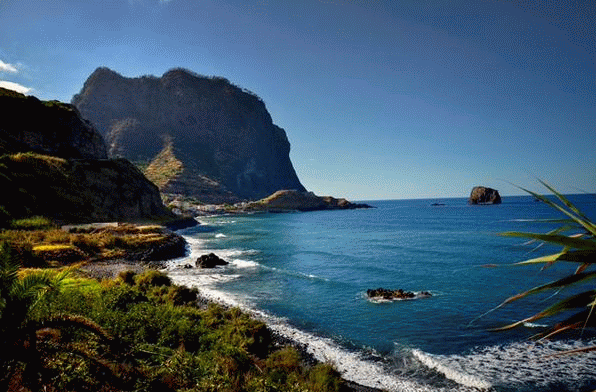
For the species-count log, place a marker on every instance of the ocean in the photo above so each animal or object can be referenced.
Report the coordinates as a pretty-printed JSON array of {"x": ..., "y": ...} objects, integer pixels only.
[{"x": 306, "y": 275}]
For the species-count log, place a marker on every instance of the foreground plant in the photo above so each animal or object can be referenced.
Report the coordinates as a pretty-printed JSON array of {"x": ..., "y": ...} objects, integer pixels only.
[
  {"x": 19, "y": 330},
  {"x": 576, "y": 236}
]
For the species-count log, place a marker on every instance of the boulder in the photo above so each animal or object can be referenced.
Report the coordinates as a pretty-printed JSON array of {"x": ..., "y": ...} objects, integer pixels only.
[
  {"x": 484, "y": 195},
  {"x": 210, "y": 261}
]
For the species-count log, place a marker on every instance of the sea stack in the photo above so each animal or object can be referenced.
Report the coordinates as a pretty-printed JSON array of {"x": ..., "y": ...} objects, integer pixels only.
[{"x": 484, "y": 195}]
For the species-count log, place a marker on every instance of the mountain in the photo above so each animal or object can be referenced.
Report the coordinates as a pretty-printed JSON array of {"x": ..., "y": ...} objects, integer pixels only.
[
  {"x": 54, "y": 163},
  {"x": 201, "y": 136}
]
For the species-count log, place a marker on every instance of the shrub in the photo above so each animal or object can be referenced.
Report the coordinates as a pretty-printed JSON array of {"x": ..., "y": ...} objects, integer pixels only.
[
  {"x": 33, "y": 223},
  {"x": 324, "y": 378},
  {"x": 152, "y": 278},
  {"x": 127, "y": 277},
  {"x": 182, "y": 295}
]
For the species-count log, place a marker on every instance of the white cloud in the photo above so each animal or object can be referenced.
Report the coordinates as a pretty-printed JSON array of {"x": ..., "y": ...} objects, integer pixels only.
[
  {"x": 15, "y": 87},
  {"x": 5, "y": 67}
]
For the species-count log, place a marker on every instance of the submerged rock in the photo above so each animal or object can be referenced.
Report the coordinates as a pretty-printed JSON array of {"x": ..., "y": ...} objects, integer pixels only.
[
  {"x": 484, "y": 195},
  {"x": 210, "y": 261}
]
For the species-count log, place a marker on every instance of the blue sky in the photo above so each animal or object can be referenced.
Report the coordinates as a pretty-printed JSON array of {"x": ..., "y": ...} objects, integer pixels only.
[{"x": 380, "y": 99}]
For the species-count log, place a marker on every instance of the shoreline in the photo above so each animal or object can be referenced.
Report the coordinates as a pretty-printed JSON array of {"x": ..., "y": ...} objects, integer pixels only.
[{"x": 110, "y": 269}]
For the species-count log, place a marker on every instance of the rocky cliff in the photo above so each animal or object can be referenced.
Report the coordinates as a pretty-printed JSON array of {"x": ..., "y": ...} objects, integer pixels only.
[
  {"x": 53, "y": 164},
  {"x": 46, "y": 127},
  {"x": 484, "y": 195},
  {"x": 203, "y": 136}
]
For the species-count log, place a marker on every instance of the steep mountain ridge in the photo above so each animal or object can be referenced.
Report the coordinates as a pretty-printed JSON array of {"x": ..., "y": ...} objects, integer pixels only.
[{"x": 223, "y": 136}]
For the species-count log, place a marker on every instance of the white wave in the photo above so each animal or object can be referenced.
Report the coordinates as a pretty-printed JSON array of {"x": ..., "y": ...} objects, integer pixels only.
[
  {"x": 297, "y": 273},
  {"x": 200, "y": 278},
  {"x": 516, "y": 365},
  {"x": 224, "y": 222},
  {"x": 534, "y": 325},
  {"x": 458, "y": 375},
  {"x": 239, "y": 263},
  {"x": 220, "y": 235}
]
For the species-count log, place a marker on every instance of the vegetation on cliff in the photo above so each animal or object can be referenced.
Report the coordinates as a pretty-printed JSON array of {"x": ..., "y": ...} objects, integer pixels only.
[
  {"x": 54, "y": 163},
  {"x": 46, "y": 127},
  {"x": 76, "y": 190},
  {"x": 38, "y": 242}
]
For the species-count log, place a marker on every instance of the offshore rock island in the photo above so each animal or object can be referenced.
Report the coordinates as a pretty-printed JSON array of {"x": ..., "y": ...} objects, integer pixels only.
[{"x": 199, "y": 136}]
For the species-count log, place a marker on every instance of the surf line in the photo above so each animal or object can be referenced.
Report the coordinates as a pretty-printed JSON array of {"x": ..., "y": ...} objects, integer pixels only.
[{"x": 459, "y": 377}]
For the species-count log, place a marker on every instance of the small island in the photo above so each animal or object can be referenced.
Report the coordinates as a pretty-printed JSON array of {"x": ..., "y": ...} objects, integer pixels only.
[{"x": 484, "y": 195}]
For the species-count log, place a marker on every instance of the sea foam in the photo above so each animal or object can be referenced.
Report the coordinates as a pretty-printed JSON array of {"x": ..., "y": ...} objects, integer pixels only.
[{"x": 514, "y": 365}]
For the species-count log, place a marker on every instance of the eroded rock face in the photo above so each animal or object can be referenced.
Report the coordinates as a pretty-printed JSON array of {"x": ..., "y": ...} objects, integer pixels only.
[
  {"x": 222, "y": 135},
  {"x": 484, "y": 195},
  {"x": 46, "y": 127}
]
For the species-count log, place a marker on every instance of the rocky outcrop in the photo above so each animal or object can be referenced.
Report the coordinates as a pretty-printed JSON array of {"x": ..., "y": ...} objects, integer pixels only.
[
  {"x": 46, "y": 127},
  {"x": 210, "y": 261},
  {"x": 203, "y": 136},
  {"x": 484, "y": 195},
  {"x": 291, "y": 200},
  {"x": 398, "y": 294},
  {"x": 54, "y": 164}
]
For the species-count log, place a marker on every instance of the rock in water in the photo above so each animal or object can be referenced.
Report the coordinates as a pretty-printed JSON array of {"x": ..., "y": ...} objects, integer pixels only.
[
  {"x": 291, "y": 200},
  {"x": 210, "y": 261},
  {"x": 388, "y": 294},
  {"x": 484, "y": 195},
  {"x": 203, "y": 136}
]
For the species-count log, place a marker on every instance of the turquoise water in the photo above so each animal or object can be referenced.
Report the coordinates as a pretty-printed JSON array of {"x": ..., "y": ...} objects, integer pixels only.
[{"x": 307, "y": 274}]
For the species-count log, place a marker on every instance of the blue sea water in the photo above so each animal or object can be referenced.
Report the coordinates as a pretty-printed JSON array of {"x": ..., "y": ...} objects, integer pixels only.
[{"x": 306, "y": 274}]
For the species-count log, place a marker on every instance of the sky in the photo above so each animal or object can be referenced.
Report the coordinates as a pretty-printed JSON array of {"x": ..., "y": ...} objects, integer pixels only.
[{"x": 379, "y": 99}]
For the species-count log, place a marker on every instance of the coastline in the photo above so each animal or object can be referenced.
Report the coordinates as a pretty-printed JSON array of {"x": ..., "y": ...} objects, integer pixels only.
[{"x": 110, "y": 269}]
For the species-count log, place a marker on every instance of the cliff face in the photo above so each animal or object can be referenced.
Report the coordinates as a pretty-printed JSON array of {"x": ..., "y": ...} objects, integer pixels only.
[
  {"x": 50, "y": 127},
  {"x": 54, "y": 164},
  {"x": 222, "y": 136},
  {"x": 484, "y": 195}
]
